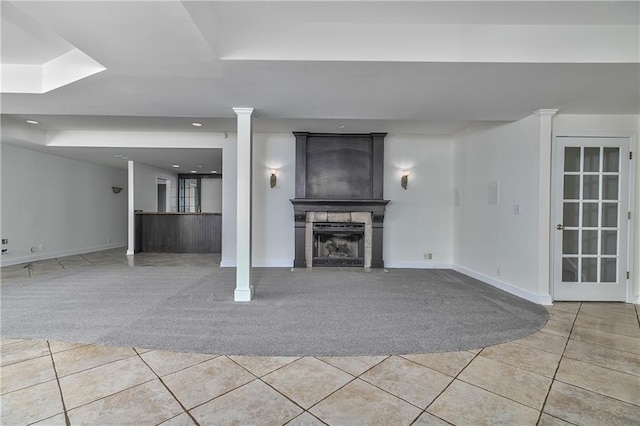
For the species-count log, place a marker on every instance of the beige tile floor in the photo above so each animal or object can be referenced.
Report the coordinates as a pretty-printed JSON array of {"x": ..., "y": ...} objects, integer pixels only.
[{"x": 583, "y": 367}]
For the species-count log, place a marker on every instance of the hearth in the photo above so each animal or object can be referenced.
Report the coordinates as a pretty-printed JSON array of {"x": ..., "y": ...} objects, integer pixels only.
[{"x": 338, "y": 244}]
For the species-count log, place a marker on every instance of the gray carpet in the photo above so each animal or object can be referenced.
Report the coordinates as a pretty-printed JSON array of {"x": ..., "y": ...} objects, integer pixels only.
[{"x": 295, "y": 313}]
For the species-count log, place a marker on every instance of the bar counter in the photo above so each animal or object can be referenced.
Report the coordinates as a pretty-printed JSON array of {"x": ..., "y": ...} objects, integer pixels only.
[{"x": 178, "y": 232}]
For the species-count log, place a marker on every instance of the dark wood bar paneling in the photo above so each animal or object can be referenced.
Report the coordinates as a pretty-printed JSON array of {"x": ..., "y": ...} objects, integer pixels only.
[{"x": 179, "y": 232}]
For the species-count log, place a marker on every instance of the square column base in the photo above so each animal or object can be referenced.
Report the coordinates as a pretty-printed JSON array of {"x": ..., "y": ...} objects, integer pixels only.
[{"x": 243, "y": 294}]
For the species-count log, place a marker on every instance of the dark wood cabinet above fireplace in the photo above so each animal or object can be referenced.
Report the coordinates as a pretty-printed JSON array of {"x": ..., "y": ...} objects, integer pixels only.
[{"x": 339, "y": 166}]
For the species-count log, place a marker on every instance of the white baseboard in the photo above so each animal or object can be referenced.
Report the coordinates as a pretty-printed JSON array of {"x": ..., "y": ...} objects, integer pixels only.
[
  {"x": 270, "y": 264},
  {"x": 541, "y": 299},
  {"x": 274, "y": 264},
  {"x": 8, "y": 259},
  {"x": 417, "y": 265},
  {"x": 289, "y": 264},
  {"x": 225, "y": 263},
  {"x": 636, "y": 299}
]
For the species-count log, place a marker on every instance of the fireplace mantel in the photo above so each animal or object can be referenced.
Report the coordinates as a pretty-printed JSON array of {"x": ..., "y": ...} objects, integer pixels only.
[{"x": 304, "y": 205}]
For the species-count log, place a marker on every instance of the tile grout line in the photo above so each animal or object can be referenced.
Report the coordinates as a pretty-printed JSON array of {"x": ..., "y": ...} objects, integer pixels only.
[
  {"x": 529, "y": 348},
  {"x": 447, "y": 387},
  {"x": 553, "y": 379},
  {"x": 339, "y": 388},
  {"x": 209, "y": 400},
  {"x": 502, "y": 396},
  {"x": 90, "y": 262},
  {"x": 305, "y": 411},
  {"x": 358, "y": 376},
  {"x": 612, "y": 323},
  {"x": 290, "y": 399},
  {"x": 55, "y": 371},
  {"x": 354, "y": 379},
  {"x": 534, "y": 347},
  {"x": 60, "y": 263},
  {"x": 168, "y": 390},
  {"x": 597, "y": 393},
  {"x": 255, "y": 375},
  {"x": 310, "y": 407},
  {"x": 95, "y": 366},
  {"x": 604, "y": 346}
]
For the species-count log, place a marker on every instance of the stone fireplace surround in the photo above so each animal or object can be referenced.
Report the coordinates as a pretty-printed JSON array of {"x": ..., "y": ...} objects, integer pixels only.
[
  {"x": 348, "y": 217},
  {"x": 369, "y": 212}
]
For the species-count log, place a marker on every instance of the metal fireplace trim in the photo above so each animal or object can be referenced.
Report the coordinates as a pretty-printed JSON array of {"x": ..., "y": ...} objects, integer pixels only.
[{"x": 339, "y": 229}]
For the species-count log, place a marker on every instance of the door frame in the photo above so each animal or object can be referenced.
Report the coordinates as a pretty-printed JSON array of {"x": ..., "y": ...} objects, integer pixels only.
[{"x": 632, "y": 203}]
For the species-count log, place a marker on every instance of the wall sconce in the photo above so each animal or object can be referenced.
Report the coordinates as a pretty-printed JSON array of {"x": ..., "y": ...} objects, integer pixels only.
[
  {"x": 273, "y": 180},
  {"x": 404, "y": 180},
  {"x": 116, "y": 189}
]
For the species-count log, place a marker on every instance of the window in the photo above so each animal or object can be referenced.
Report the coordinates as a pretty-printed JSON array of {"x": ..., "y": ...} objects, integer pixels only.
[{"x": 189, "y": 194}]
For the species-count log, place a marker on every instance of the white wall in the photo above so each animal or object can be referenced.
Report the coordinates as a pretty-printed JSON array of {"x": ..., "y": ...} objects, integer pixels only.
[
  {"x": 146, "y": 187},
  {"x": 182, "y": 140},
  {"x": 211, "y": 193},
  {"x": 59, "y": 206},
  {"x": 273, "y": 224},
  {"x": 475, "y": 236},
  {"x": 602, "y": 125},
  {"x": 419, "y": 219},
  {"x": 490, "y": 241}
]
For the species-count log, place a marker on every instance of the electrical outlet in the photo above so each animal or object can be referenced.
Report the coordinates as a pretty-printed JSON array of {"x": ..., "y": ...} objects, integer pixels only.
[
  {"x": 5, "y": 241},
  {"x": 430, "y": 256},
  {"x": 33, "y": 249}
]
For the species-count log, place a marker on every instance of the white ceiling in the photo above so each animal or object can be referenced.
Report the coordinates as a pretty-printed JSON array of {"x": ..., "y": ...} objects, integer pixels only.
[{"x": 414, "y": 67}]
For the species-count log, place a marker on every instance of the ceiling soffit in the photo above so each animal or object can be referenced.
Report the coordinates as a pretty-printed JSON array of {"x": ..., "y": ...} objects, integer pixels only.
[
  {"x": 431, "y": 61},
  {"x": 37, "y": 60}
]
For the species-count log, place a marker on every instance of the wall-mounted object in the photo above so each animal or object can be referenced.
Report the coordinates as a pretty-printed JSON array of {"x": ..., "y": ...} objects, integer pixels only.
[
  {"x": 116, "y": 189},
  {"x": 404, "y": 180},
  {"x": 493, "y": 192},
  {"x": 273, "y": 180}
]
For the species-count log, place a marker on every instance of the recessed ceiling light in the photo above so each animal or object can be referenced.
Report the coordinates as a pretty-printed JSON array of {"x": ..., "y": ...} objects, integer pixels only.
[
  {"x": 32, "y": 121},
  {"x": 199, "y": 167},
  {"x": 117, "y": 155},
  {"x": 341, "y": 126},
  {"x": 193, "y": 171},
  {"x": 214, "y": 171},
  {"x": 176, "y": 165},
  {"x": 196, "y": 124},
  {"x": 125, "y": 158}
]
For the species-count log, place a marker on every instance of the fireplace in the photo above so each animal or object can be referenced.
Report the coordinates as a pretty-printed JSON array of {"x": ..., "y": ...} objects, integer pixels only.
[
  {"x": 338, "y": 244},
  {"x": 339, "y": 207}
]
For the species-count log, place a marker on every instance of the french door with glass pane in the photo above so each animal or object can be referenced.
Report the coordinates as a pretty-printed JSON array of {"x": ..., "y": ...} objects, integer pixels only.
[{"x": 591, "y": 217}]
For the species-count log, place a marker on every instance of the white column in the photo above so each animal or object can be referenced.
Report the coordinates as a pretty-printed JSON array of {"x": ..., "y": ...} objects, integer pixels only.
[
  {"x": 131, "y": 229},
  {"x": 544, "y": 205},
  {"x": 244, "y": 289}
]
